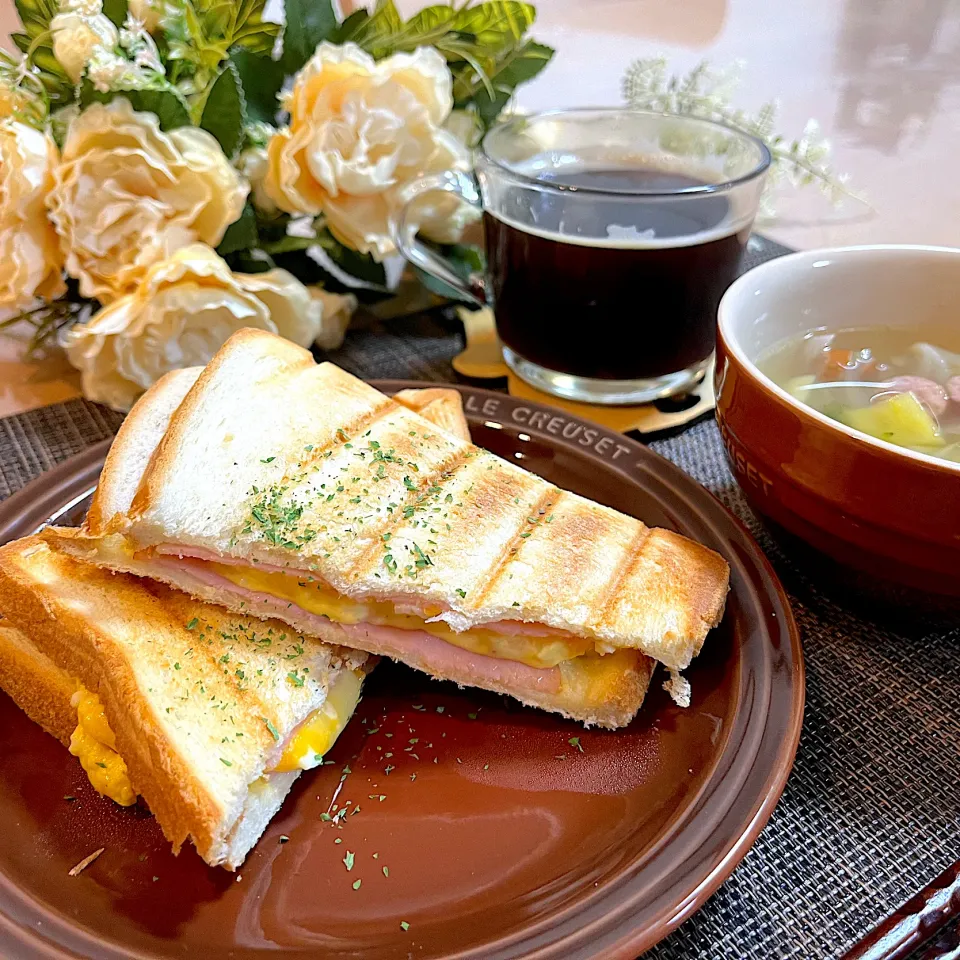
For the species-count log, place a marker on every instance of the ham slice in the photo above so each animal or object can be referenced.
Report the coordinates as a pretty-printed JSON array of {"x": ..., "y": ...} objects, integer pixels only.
[
  {"x": 402, "y": 604},
  {"x": 928, "y": 392},
  {"x": 416, "y": 647},
  {"x": 201, "y": 553}
]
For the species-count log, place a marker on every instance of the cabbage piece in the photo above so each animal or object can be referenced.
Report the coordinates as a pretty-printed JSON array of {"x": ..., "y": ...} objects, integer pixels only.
[{"x": 926, "y": 360}]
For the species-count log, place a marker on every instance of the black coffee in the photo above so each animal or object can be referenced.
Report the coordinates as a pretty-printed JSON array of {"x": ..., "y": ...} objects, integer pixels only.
[{"x": 628, "y": 307}]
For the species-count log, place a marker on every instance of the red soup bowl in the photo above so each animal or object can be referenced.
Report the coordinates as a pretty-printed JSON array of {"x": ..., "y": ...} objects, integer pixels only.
[{"x": 886, "y": 514}]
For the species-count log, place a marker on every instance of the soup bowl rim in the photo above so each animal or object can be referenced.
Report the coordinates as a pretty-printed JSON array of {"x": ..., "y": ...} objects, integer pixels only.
[{"x": 803, "y": 260}]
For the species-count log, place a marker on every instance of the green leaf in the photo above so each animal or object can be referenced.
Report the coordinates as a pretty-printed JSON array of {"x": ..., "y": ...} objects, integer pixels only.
[
  {"x": 359, "y": 265},
  {"x": 309, "y": 22},
  {"x": 257, "y": 38},
  {"x": 465, "y": 259},
  {"x": 378, "y": 34},
  {"x": 261, "y": 79},
  {"x": 216, "y": 15},
  {"x": 224, "y": 113},
  {"x": 240, "y": 23},
  {"x": 483, "y": 30},
  {"x": 168, "y": 105},
  {"x": 202, "y": 32},
  {"x": 431, "y": 19},
  {"x": 44, "y": 59},
  {"x": 249, "y": 261},
  {"x": 308, "y": 271},
  {"x": 35, "y": 15},
  {"x": 116, "y": 11},
  {"x": 305, "y": 269},
  {"x": 496, "y": 21},
  {"x": 241, "y": 234},
  {"x": 515, "y": 68},
  {"x": 286, "y": 243},
  {"x": 350, "y": 26}
]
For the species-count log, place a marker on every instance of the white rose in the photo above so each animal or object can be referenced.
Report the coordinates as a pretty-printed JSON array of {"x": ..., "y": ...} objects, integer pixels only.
[
  {"x": 335, "y": 315},
  {"x": 127, "y": 195},
  {"x": 359, "y": 132},
  {"x": 76, "y": 36},
  {"x": 31, "y": 264},
  {"x": 180, "y": 315}
]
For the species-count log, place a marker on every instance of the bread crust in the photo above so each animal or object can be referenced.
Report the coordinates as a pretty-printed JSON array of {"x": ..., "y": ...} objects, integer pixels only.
[
  {"x": 440, "y": 405},
  {"x": 133, "y": 446},
  {"x": 36, "y": 684}
]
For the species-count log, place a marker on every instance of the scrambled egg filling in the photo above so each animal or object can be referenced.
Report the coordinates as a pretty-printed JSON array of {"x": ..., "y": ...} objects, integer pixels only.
[
  {"x": 318, "y": 598},
  {"x": 94, "y": 744},
  {"x": 318, "y": 733}
]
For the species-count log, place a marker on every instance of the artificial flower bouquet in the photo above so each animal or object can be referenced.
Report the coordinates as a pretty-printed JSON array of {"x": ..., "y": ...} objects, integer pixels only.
[{"x": 172, "y": 170}]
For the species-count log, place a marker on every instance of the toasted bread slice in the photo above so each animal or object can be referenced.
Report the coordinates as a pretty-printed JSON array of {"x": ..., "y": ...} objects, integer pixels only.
[
  {"x": 36, "y": 684},
  {"x": 439, "y": 405},
  {"x": 273, "y": 459},
  {"x": 147, "y": 422},
  {"x": 200, "y": 701},
  {"x": 134, "y": 445}
]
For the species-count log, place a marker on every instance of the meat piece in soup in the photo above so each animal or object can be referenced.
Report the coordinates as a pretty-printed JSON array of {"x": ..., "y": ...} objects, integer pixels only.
[{"x": 876, "y": 380}]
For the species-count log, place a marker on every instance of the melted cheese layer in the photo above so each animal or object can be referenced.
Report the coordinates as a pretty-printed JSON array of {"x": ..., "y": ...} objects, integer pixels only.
[
  {"x": 318, "y": 733},
  {"x": 318, "y": 598},
  {"x": 94, "y": 745}
]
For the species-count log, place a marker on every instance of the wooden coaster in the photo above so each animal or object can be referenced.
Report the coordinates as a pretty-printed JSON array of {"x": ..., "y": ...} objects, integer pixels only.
[{"x": 483, "y": 360}]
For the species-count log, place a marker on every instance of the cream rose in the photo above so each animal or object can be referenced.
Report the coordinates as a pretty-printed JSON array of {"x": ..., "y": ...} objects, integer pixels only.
[
  {"x": 359, "y": 132},
  {"x": 336, "y": 312},
  {"x": 179, "y": 316},
  {"x": 254, "y": 165},
  {"x": 465, "y": 126},
  {"x": 127, "y": 195},
  {"x": 76, "y": 36},
  {"x": 31, "y": 265}
]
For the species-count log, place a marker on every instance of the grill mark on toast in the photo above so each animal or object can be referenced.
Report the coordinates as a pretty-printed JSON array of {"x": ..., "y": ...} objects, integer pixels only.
[
  {"x": 549, "y": 498},
  {"x": 629, "y": 560},
  {"x": 438, "y": 476},
  {"x": 350, "y": 431},
  {"x": 208, "y": 680}
]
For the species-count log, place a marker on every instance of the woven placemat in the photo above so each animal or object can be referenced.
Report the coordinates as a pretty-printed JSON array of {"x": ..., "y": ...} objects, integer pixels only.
[{"x": 871, "y": 812}]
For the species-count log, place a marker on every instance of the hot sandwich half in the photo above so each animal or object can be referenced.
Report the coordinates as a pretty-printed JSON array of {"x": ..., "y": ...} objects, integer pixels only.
[
  {"x": 208, "y": 715},
  {"x": 290, "y": 489}
]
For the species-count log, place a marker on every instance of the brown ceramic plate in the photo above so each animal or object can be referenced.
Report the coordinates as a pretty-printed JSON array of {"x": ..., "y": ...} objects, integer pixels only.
[{"x": 505, "y": 832}]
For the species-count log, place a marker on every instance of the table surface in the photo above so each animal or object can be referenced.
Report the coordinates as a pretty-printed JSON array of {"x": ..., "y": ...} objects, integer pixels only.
[{"x": 881, "y": 77}]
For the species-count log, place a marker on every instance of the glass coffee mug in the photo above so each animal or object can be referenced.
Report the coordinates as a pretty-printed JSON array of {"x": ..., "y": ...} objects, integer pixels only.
[{"x": 610, "y": 235}]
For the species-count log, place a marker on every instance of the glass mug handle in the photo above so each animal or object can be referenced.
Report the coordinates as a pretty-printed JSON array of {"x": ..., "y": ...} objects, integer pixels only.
[{"x": 420, "y": 255}]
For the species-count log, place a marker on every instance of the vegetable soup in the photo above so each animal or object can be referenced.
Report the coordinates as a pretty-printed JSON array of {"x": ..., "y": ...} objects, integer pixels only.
[{"x": 878, "y": 380}]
